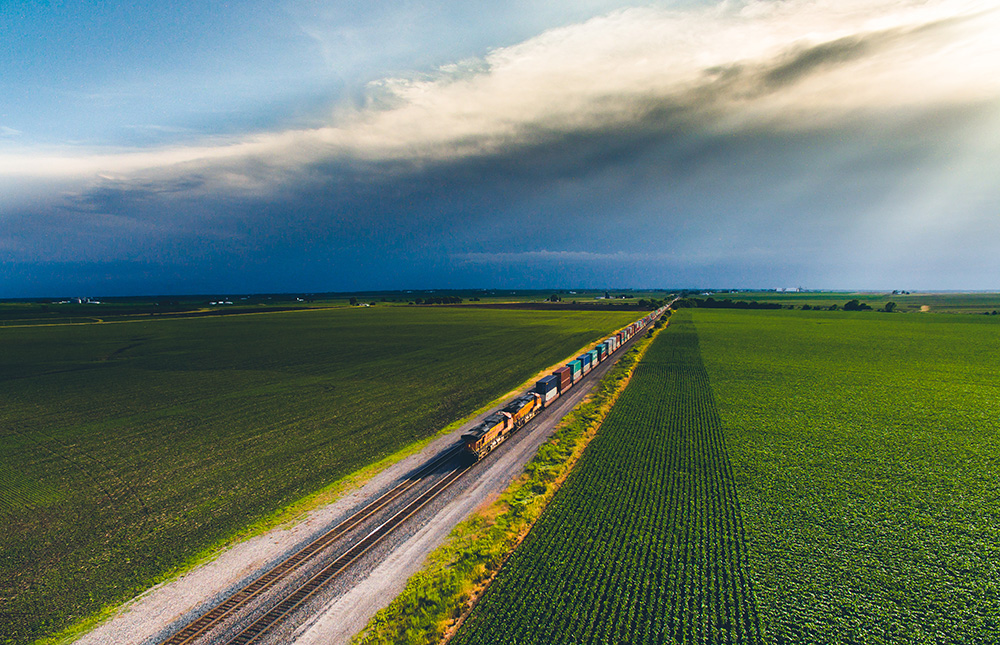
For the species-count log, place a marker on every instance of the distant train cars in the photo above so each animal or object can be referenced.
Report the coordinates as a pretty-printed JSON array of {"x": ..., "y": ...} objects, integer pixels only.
[{"x": 496, "y": 427}]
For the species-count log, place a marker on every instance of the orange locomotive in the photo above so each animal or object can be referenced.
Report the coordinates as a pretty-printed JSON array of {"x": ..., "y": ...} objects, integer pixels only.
[{"x": 494, "y": 429}]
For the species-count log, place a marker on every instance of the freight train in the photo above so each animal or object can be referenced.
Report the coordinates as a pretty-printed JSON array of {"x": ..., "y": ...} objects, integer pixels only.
[{"x": 496, "y": 427}]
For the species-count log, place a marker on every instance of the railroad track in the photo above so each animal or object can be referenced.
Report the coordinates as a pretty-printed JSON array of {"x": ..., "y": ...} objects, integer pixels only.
[
  {"x": 226, "y": 609},
  {"x": 300, "y": 596}
]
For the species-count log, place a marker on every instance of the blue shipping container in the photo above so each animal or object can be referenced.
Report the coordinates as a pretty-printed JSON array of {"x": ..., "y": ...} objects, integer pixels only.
[{"x": 547, "y": 384}]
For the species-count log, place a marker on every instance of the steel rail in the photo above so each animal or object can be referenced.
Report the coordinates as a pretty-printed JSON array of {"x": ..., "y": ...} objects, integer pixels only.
[
  {"x": 307, "y": 590},
  {"x": 225, "y": 609}
]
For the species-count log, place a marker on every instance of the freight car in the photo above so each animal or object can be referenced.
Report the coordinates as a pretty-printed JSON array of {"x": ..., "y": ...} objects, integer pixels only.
[{"x": 492, "y": 431}]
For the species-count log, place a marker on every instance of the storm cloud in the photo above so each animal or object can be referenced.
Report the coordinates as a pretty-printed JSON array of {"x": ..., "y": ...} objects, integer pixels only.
[{"x": 758, "y": 143}]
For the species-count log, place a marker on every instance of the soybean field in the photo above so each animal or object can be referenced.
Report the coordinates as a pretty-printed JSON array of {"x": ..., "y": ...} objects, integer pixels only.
[
  {"x": 866, "y": 454},
  {"x": 128, "y": 448},
  {"x": 644, "y": 541}
]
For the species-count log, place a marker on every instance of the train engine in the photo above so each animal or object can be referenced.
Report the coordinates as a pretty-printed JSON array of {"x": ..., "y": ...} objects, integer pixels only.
[{"x": 486, "y": 436}]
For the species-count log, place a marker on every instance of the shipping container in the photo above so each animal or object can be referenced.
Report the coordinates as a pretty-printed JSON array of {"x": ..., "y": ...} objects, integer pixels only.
[
  {"x": 548, "y": 389},
  {"x": 565, "y": 375},
  {"x": 594, "y": 359},
  {"x": 576, "y": 367},
  {"x": 547, "y": 384}
]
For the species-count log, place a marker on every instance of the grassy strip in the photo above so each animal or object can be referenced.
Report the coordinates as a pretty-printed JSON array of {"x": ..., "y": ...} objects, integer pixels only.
[{"x": 436, "y": 599}]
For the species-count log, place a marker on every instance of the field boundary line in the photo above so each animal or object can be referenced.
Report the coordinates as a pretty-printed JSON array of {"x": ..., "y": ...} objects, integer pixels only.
[{"x": 497, "y": 528}]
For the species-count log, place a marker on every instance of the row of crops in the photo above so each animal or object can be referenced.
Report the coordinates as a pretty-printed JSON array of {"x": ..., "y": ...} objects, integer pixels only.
[
  {"x": 866, "y": 451},
  {"x": 644, "y": 542}
]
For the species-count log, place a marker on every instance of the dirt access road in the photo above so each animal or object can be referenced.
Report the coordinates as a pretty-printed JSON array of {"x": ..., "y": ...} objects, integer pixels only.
[{"x": 336, "y": 615}]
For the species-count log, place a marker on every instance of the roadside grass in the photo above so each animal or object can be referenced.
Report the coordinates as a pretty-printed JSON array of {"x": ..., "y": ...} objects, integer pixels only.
[
  {"x": 866, "y": 451},
  {"x": 130, "y": 451},
  {"x": 435, "y": 599}
]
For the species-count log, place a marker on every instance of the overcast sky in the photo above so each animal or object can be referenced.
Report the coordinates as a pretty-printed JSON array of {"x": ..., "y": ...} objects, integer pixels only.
[{"x": 301, "y": 145}]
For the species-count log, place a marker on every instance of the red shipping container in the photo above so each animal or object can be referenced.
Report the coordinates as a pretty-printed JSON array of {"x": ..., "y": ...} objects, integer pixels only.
[{"x": 565, "y": 378}]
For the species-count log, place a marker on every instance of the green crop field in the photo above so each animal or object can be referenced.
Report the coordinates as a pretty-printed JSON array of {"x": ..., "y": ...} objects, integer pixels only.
[
  {"x": 643, "y": 543},
  {"x": 127, "y": 448},
  {"x": 944, "y": 302},
  {"x": 866, "y": 452},
  {"x": 777, "y": 477}
]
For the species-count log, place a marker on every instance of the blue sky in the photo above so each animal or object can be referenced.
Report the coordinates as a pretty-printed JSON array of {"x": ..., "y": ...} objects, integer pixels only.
[{"x": 314, "y": 146}]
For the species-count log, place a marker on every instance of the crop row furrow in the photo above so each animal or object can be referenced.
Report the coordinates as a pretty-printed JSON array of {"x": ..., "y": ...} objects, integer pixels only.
[{"x": 644, "y": 541}]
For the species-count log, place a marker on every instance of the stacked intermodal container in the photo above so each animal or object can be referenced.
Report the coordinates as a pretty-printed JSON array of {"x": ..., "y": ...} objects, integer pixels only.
[
  {"x": 565, "y": 375},
  {"x": 594, "y": 360},
  {"x": 576, "y": 369},
  {"x": 548, "y": 389},
  {"x": 585, "y": 362}
]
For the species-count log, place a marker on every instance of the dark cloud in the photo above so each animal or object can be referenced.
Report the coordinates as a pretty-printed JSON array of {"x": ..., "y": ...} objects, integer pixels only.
[
  {"x": 628, "y": 207},
  {"x": 668, "y": 195}
]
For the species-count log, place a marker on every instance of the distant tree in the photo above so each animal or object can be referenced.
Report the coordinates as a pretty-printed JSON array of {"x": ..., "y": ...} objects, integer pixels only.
[
  {"x": 806, "y": 307},
  {"x": 354, "y": 302},
  {"x": 889, "y": 307},
  {"x": 554, "y": 298},
  {"x": 833, "y": 307},
  {"x": 855, "y": 305}
]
